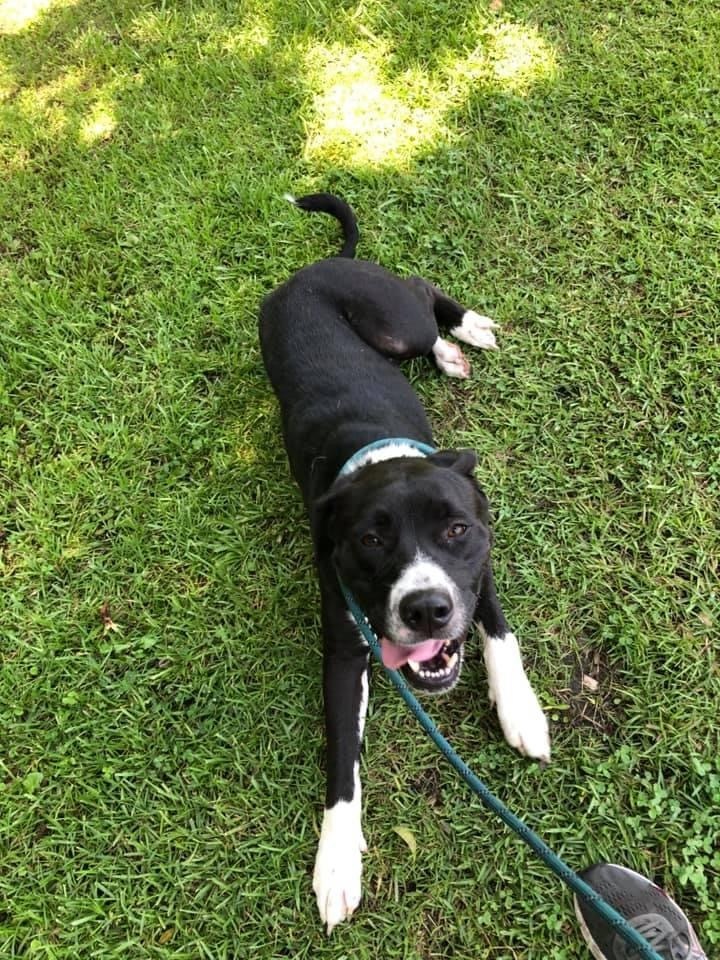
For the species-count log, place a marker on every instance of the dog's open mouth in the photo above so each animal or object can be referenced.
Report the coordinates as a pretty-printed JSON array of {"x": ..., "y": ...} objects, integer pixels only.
[
  {"x": 437, "y": 672},
  {"x": 440, "y": 672}
]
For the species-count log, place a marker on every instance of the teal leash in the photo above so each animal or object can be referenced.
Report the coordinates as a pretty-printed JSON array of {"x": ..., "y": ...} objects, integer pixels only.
[{"x": 550, "y": 859}]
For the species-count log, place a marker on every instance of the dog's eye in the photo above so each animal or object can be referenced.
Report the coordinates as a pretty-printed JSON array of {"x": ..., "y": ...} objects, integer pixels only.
[
  {"x": 456, "y": 530},
  {"x": 370, "y": 540}
]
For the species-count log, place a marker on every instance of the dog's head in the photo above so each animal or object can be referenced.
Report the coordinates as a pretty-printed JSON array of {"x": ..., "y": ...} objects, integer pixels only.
[{"x": 410, "y": 538}]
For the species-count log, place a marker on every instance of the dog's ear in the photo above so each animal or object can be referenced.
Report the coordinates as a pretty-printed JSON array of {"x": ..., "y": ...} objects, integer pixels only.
[
  {"x": 461, "y": 461},
  {"x": 323, "y": 511},
  {"x": 464, "y": 463}
]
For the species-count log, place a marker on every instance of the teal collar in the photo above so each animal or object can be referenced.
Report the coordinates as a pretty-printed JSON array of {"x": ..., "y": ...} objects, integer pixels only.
[{"x": 387, "y": 449}]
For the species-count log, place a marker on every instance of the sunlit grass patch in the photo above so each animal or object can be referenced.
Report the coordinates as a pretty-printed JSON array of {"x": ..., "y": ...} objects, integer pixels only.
[
  {"x": 364, "y": 115},
  {"x": 165, "y": 25},
  {"x": 49, "y": 106},
  {"x": 99, "y": 123},
  {"x": 254, "y": 35},
  {"x": 15, "y": 15},
  {"x": 77, "y": 100},
  {"x": 7, "y": 81},
  {"x": 360, "y": 117},
  {"x": 520, "y": 56}
]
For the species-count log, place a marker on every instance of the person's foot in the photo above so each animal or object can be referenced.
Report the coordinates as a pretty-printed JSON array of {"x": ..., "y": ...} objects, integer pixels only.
[{"x": 645, "y": 906}]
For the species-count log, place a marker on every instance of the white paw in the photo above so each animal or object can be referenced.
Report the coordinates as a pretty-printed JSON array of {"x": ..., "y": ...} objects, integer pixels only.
[
  {"x": 521, "y": 717},
  {"x": 476, "y": 330},
  {"x": 450, "y": 358},
  {"x": 338, "y": 864},
  {"x": 523, "y": 722}
]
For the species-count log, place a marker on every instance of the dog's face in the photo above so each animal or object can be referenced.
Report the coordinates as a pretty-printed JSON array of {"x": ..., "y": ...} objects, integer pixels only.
[{"x": 410, "y": 539}]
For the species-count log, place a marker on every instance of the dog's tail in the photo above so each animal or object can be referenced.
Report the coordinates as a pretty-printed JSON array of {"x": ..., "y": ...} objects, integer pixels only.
[{"x": 328, "y": 203}]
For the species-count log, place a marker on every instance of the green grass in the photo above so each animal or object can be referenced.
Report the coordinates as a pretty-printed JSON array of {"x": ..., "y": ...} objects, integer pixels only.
[{"x": 554, "y": 165}]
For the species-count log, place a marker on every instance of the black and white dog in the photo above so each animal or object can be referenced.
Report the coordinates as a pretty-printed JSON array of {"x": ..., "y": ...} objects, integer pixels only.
[{"x": 406, "y": 528}]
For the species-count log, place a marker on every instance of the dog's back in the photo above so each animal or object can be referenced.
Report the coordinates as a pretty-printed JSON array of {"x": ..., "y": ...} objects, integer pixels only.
[{"x": 326, "y": 336}]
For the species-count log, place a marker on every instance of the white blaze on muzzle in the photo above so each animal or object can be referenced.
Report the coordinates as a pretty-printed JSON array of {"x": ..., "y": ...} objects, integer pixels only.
[{"x": 421, "y": 573}]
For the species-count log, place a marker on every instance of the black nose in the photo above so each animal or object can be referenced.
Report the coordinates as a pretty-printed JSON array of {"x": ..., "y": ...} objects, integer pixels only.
[{"x": 426, "y": 610}]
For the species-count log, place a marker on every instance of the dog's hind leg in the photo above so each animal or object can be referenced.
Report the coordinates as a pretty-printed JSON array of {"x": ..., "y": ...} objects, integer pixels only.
[
  {"x": 475, "y": 330},
  {"x": 466, "y": 325},
  {"x": 450, "y": 359}
]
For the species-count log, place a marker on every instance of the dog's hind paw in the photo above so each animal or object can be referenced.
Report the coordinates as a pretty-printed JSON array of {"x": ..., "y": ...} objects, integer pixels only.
[
  {"x": 450, "y": 359},
  {"x": 476, "y": 330},
  {"x": 338, "y": 865}
]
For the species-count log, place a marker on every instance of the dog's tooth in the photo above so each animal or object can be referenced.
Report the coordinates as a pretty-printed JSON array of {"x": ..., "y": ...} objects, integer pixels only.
[
  {"x": 452, "y": 661},
  {"x": 414, "y": 665}
]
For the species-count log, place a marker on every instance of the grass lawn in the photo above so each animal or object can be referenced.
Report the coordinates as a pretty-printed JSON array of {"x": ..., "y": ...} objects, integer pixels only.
[{"x": 555, "y": 165}]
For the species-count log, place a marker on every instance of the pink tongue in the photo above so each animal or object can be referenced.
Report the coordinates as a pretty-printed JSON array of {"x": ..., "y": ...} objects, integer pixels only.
[{"x": 394, "y": 656}]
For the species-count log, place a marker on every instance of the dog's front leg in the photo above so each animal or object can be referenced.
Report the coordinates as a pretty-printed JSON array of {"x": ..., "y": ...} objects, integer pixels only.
[
  {"x": 521, "y": 717},
  {"x": 338, "y": 864}
]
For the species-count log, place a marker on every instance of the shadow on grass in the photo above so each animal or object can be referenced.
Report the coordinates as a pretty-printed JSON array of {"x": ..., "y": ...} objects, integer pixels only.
[
  {"x": 150, "y": 144},
  {"x": 366, "y": 84}
]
